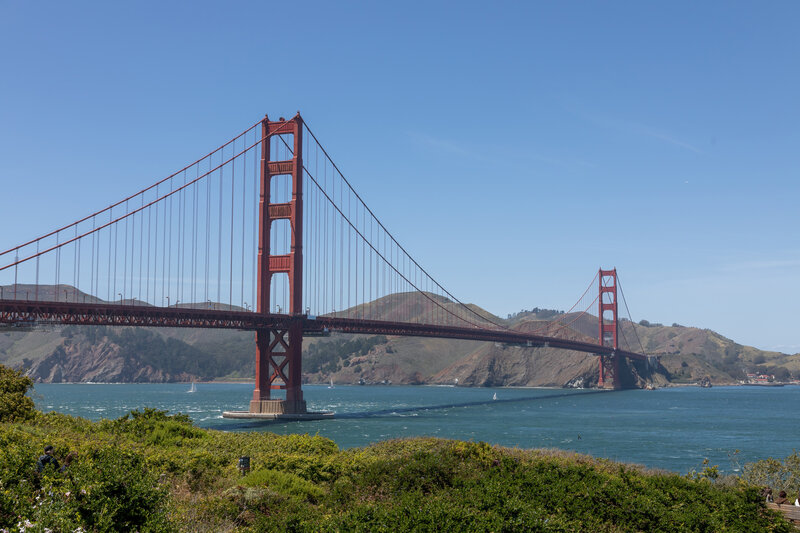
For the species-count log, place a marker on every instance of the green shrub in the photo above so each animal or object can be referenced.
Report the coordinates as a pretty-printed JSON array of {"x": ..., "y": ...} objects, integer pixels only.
[
  {"x": 285, "y": 484},
  {"x": 14, "y": 405},
  {"x": 156, "y": 427},
  {"x": 150, "y": 471},
  {"x": 775, "y": 473},
  {"x": 107, "y": 488}
]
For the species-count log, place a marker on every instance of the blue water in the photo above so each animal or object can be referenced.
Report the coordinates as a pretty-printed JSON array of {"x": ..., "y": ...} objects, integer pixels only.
[{"x": 672, "y": 429}]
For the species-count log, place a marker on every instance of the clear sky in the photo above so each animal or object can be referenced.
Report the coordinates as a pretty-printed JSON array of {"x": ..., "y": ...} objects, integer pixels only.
[{"x": 513, "y": 147}]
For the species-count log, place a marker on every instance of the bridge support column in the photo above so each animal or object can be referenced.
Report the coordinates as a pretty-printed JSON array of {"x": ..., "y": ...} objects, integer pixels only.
[
  {"x": 609, "y": 328},
  {"x": 279, "y": 349},
  {"x": 609, "y": 372},
  {"x": 278, "y": 354}
]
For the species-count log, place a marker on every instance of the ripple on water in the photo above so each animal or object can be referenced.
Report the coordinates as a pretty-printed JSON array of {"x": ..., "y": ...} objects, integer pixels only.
[{"x": 618, "y": 425}]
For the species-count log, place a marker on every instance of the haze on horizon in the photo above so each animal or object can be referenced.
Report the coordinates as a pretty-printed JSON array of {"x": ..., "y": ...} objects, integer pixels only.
[{"x": 513, "y": 149}]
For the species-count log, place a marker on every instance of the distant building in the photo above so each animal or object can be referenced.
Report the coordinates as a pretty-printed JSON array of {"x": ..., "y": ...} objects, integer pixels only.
[{"x": 760, "y": 378}]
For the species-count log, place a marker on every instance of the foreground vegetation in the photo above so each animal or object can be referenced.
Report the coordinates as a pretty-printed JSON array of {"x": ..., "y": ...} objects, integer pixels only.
[{"x": 149, "y": 471}]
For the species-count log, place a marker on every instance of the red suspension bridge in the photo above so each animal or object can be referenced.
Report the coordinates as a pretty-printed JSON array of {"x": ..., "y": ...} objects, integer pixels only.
[{"x": 266, "y": 234}]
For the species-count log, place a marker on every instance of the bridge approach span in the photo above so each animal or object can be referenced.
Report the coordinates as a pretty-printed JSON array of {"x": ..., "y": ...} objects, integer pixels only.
[{"x": 15, "y": 313}]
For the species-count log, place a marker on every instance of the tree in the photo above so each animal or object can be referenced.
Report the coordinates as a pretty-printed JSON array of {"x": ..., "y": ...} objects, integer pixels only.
[{"x": 14, "y": 405}]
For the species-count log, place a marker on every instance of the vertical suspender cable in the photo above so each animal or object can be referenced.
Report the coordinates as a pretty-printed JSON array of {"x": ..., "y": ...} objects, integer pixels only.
[
  {"x": 244, "y": 221},
  {"x": 141, "y": 246},
  {"x": 77, "y": 263},
  {"x": 125, "y": 253},
  {"x": 324, "y": 216},
  {"x": 169, "y": 248},
  {"x": 219, "y": 236},
  {"x": 181, "y": 243},
  {"x": 207, "y": 246},
  {"x": 256, "y": 194},
  {"x": 149, "y": 236},
  {"x": 233, "y": 210}
]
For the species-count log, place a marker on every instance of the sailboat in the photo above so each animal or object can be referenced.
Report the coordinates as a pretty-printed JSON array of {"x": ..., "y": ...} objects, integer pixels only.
[
  {"x": 494, "y": 397},
  {"x": 331, "y": 385},
  {"x": 192, "y": 388}
]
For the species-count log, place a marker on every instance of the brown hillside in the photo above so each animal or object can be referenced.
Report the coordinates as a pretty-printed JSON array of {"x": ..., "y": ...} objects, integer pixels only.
[{"x": 686, "y": 354}]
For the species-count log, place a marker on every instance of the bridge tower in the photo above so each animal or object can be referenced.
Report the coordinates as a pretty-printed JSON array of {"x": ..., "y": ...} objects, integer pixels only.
[
  {"x": 279, "y": 349},
  {"x": 609, "y": 329}
]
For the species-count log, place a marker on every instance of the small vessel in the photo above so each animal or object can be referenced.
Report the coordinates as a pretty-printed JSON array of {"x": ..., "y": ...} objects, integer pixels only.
[
  {"x": 494, "y": 397},
  {"x": 192, "y": 388},
  {"x": 331, "y": 385}
]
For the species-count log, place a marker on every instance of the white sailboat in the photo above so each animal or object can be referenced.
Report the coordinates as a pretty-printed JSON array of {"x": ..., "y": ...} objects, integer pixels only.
[
  {"x": 331, "y": 385},
  {"x": 192, "y": 388},
  {"x": 494, "y": 397}
]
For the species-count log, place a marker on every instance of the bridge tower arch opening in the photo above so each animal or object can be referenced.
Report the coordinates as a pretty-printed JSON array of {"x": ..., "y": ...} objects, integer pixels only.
[
  {"x": 279, "y": 348},
  {"x": 608, "y": 329}
]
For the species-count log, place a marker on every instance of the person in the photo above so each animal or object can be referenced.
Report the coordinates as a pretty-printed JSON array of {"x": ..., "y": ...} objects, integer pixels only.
[
  {"x": 67, "y": 460},
  {"x": 797, "y": 501},
  {"x": 781, "y": 499},
  {"x": 47, "y": 460},
  {"x": 767, "y": 494}
]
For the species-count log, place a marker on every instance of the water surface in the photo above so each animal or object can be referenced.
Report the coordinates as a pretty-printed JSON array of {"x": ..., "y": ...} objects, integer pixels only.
[{"x": 673, "y": 429}]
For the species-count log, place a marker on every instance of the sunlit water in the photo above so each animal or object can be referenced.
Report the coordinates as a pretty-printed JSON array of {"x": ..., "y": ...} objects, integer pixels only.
[{"x": 672, "y": 429}]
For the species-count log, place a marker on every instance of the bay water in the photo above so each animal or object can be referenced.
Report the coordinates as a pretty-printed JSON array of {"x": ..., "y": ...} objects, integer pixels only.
[{"x": 672, "y": 429}]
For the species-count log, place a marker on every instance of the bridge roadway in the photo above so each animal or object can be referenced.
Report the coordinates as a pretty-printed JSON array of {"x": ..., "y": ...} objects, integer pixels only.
[{"x": 18, "y": 313}]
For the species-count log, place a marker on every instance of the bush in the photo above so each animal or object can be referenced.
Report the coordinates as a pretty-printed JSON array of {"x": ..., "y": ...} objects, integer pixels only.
[
  {"x": 14, "y": 405},
  {"x": 151, "y": 471},
  {"x": 775, "y": 473},
  {"x": 285, "y": 484},
  {"x": 155, "y": 427},
  {"x": 107, "y": 488}
]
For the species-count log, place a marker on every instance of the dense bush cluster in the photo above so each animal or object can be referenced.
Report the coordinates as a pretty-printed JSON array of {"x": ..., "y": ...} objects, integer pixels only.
[
  {"x": 540, "y": 314},
  {"x": 107, "y": 488},
  {"x": 778, "y": 474},
  {"x": 149, "y": 471},
  {"x": 14, "y": 404},
  {"x": 153, "y": 472}
]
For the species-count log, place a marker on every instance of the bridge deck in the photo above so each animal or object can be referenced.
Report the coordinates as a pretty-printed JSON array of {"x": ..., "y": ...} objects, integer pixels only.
[{"x": 27, "y": 314}]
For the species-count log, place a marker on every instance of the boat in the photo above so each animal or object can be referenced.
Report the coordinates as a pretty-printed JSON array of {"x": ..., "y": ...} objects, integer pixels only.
[
  {"x": 192, "y": 388},
  {"x": 494, "y": 397},
  {"x": 331, "y": 385}
]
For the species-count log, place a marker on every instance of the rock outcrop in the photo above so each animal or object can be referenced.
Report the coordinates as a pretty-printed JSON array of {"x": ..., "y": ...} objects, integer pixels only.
[{"x": 99, "y": 361}]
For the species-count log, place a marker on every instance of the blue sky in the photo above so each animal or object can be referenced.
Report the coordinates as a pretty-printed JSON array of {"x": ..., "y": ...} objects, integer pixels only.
[{"x": 513, "y": 148}]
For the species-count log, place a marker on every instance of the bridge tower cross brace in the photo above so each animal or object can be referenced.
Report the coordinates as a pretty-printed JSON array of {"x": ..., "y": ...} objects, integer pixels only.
[
  {"x": 279, "y": 349},
  {"x": 609, "y": 329}
]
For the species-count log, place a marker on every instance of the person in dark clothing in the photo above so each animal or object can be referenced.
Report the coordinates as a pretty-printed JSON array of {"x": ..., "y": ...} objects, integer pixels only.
[
  {"x": 47, "y": 460},
  {"x": 781, "y": 499}
]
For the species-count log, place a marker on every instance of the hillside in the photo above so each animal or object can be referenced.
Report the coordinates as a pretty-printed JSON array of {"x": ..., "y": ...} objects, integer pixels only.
[{"x": 685, "y": 354}]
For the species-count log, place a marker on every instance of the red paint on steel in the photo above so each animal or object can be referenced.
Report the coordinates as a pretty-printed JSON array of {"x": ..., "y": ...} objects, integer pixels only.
[
  {"x": 26, "y": 313},
  {"x": 278, "y": 348},
  {"x": 608, "y": 328}
]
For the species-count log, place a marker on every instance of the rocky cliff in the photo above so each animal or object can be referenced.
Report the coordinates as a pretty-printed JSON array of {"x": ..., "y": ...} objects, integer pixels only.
[{"x": 681, "y": 354}]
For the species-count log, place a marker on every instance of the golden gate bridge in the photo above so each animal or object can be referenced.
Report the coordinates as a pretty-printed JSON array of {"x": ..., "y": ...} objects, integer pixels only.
[{"x": 265, "y": 233}]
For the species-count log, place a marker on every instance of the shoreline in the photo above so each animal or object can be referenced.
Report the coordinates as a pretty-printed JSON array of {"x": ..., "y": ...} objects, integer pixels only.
[{"x": 250, "y": 381}]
